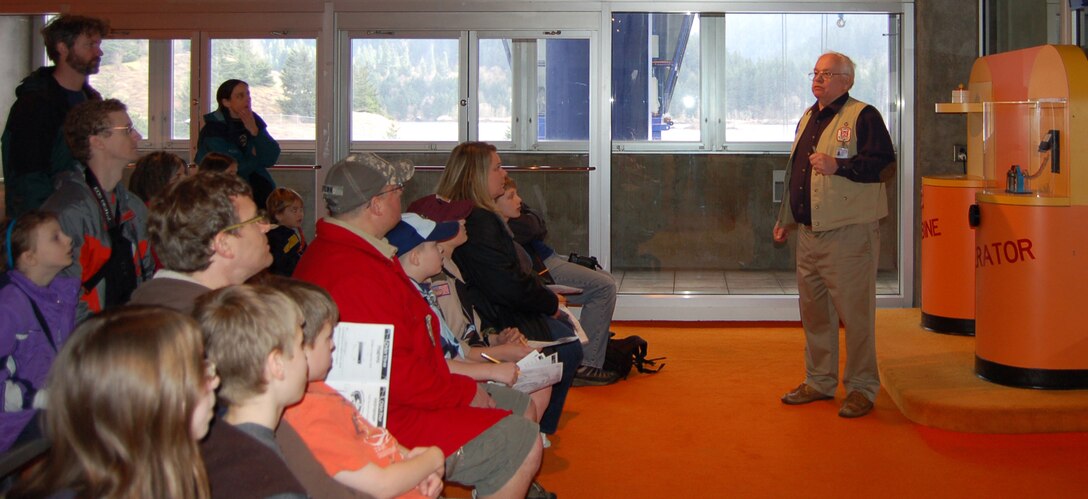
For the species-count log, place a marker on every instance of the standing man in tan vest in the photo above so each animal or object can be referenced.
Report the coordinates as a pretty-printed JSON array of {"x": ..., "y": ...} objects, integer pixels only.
[{"x": 835, "y": 198}]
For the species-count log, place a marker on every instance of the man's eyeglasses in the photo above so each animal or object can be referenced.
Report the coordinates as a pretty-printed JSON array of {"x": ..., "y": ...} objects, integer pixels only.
[
  {"x": 261, "y": 218},
  {"x": 824, "y": 75},
  {"x": 129, "y": 129},
  {"x": 395, "y": 188}
]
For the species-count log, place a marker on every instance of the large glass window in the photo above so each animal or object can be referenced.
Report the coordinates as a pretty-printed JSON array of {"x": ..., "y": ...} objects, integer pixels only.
[
  {"x": 685, "y": 221},
  {"x": 656, "y": 77},
  {"x": 542, "y": 84},
  {"x": 562, "y": 90},
  {"x": 123, "y": 75},
  {"x": 282, "y": 78},
  {"x": 768, "y": 57},
  {"x": 181, "y": 62},
  {"x": 404, "y": 89},
  {"x": 496, "y": 90}
]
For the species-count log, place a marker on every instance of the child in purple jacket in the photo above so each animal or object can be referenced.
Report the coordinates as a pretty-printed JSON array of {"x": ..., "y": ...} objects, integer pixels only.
[{"x": 37, "y": 313}]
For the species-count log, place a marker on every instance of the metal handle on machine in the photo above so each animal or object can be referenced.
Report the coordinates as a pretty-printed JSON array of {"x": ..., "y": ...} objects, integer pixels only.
[{"x": 974, "y": 216}]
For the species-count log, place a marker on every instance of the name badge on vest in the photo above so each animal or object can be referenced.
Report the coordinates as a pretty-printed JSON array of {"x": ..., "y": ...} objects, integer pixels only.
[
  {"x": 440, "y": 289},
  {"x": 842, "y": 135}
]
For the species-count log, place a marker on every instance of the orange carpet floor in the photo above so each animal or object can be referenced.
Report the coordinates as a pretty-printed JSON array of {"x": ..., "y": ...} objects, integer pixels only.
[{"x": 711, "y": 425}]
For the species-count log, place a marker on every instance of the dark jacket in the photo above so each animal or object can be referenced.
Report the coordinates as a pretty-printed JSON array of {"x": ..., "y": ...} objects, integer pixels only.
[
  {"x": 287, "y": 246},
  {"x": 34, "y": 149},
  {"x": 255, "y": 154},
  {"x": 504, "y": 292},
  {"x": 241, "y": 466},
  {"x": 81, "y": 219}
]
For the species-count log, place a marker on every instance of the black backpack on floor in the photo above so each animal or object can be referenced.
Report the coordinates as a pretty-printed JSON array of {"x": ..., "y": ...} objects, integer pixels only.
[{"x": 624, "y": 353}]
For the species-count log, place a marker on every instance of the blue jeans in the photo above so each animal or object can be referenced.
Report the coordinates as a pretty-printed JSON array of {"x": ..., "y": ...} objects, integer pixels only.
[
  {"x": 571, "y": 356},
  {"x": 598, "y": 301}
]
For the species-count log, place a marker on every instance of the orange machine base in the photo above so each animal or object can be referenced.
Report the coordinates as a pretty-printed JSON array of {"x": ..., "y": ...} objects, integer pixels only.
[
  {"x": 1022, "y": 377},
  {"x": 948, "y": 325},
  {"x": 1032, "y": 261}
]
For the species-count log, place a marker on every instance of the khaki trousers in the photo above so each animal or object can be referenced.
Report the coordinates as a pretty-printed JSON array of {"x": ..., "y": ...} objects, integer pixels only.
[{"x": 836, "y": 279}]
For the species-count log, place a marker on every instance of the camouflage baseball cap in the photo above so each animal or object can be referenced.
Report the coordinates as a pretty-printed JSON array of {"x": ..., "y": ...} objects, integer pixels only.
[{"x": 356, "y": 179}]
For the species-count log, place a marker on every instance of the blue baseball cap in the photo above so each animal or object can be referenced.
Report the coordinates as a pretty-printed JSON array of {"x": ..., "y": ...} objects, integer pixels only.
[{"x": 413, "y": 230}]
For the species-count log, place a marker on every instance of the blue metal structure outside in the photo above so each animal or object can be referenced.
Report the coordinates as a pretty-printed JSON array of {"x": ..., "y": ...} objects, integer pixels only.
[
  {"x": 630, "y": 76},
  {"x": 566, "y": 115}
]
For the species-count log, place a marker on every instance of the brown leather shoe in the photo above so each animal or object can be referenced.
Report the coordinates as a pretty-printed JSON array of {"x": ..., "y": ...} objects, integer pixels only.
[
  {"x": 856, "y": 405},
  {"x": 803, "y": 394}
]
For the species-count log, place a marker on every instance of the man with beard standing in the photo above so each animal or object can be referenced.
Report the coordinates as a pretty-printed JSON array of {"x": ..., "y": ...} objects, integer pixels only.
[{"x": 33, "y": 148}]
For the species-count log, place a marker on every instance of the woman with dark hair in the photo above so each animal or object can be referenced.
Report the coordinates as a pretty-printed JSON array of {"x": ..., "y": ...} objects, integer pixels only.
[
  {"x": 128, "y": 398},
  {"x": 154, "y": 171},
  {"x": 235, "y": 130},
  {"x": 501, "y": 284}
]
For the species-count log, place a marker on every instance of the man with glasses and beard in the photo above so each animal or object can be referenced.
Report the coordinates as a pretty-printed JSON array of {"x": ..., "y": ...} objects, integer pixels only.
[{"x": 33, "y": 148}]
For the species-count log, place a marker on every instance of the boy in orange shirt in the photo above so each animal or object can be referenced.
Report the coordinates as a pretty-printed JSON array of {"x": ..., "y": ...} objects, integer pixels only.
[{"x": 353, "y": 451}]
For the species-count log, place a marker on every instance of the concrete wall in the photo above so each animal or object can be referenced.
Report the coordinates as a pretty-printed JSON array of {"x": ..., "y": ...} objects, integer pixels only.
[{"x": 946, "y": 46}]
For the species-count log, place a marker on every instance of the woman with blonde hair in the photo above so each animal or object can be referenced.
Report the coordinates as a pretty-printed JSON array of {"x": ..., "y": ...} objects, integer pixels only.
[
  {"x": 128, "y": 398},
  {"x": 502, "y": 287}
]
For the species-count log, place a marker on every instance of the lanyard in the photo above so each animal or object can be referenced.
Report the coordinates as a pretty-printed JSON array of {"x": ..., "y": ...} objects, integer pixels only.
[{"x": 100, "y": 197}]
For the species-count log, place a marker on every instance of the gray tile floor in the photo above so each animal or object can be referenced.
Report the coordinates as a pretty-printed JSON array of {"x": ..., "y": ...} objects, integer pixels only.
[{"x": 725, "y": 282}]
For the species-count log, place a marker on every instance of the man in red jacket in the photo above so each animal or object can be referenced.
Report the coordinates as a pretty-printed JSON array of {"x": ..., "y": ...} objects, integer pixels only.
[{"x": 486, "y": 445}]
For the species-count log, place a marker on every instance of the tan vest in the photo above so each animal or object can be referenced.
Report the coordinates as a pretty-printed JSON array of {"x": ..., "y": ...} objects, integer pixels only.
[{"x": 836, "y": 201}]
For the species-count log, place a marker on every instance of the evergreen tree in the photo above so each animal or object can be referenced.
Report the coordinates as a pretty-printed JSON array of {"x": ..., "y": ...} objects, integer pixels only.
[
  {"x": 299, "y": 83},
  {"x": 236, "y": 59}
]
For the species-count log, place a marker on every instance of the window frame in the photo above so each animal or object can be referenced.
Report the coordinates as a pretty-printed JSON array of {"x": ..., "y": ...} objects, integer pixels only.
[
  {"x": 161, "y": 86},
  {"x": 524, "y": 136}
]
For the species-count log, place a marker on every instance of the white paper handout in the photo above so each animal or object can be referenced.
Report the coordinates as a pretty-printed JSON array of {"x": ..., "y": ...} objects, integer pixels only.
[
  {"x": 360, "y": 367},
  {"x": 538, "y": 371},
  {"x": 575, "y": 324}
]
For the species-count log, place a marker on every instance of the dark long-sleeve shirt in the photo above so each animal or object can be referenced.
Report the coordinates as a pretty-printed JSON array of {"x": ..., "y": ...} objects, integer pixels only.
[{"x": 874, "y": 152}]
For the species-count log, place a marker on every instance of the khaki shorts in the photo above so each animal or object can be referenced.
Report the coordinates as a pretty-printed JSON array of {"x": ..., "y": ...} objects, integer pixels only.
[
  {"x": 508, "y": 398},
  {"x": 488, "y": 461}
]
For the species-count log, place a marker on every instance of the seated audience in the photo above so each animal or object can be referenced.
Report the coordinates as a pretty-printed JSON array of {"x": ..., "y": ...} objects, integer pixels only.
[
  {"x": 488, "y": 448},
  {"x": 598, "y": 296},
  {"x": 421, "y": 245},
  {"x": 462, "y": 318},
  {"x": 37, "y": 313},
  {"x": 208, "y": 234},
  {"x": 218, "y": 162},
  {"x": 129, "y": 397},
  {"x": 503, "y": 287},
  {"x": 108, "y": 226},
  {"x": 285, "y": 209},
  {"x": 154, "y": 172},
  {"x": 254, "y": 336},
  {"x": 353, "y": 451}
]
